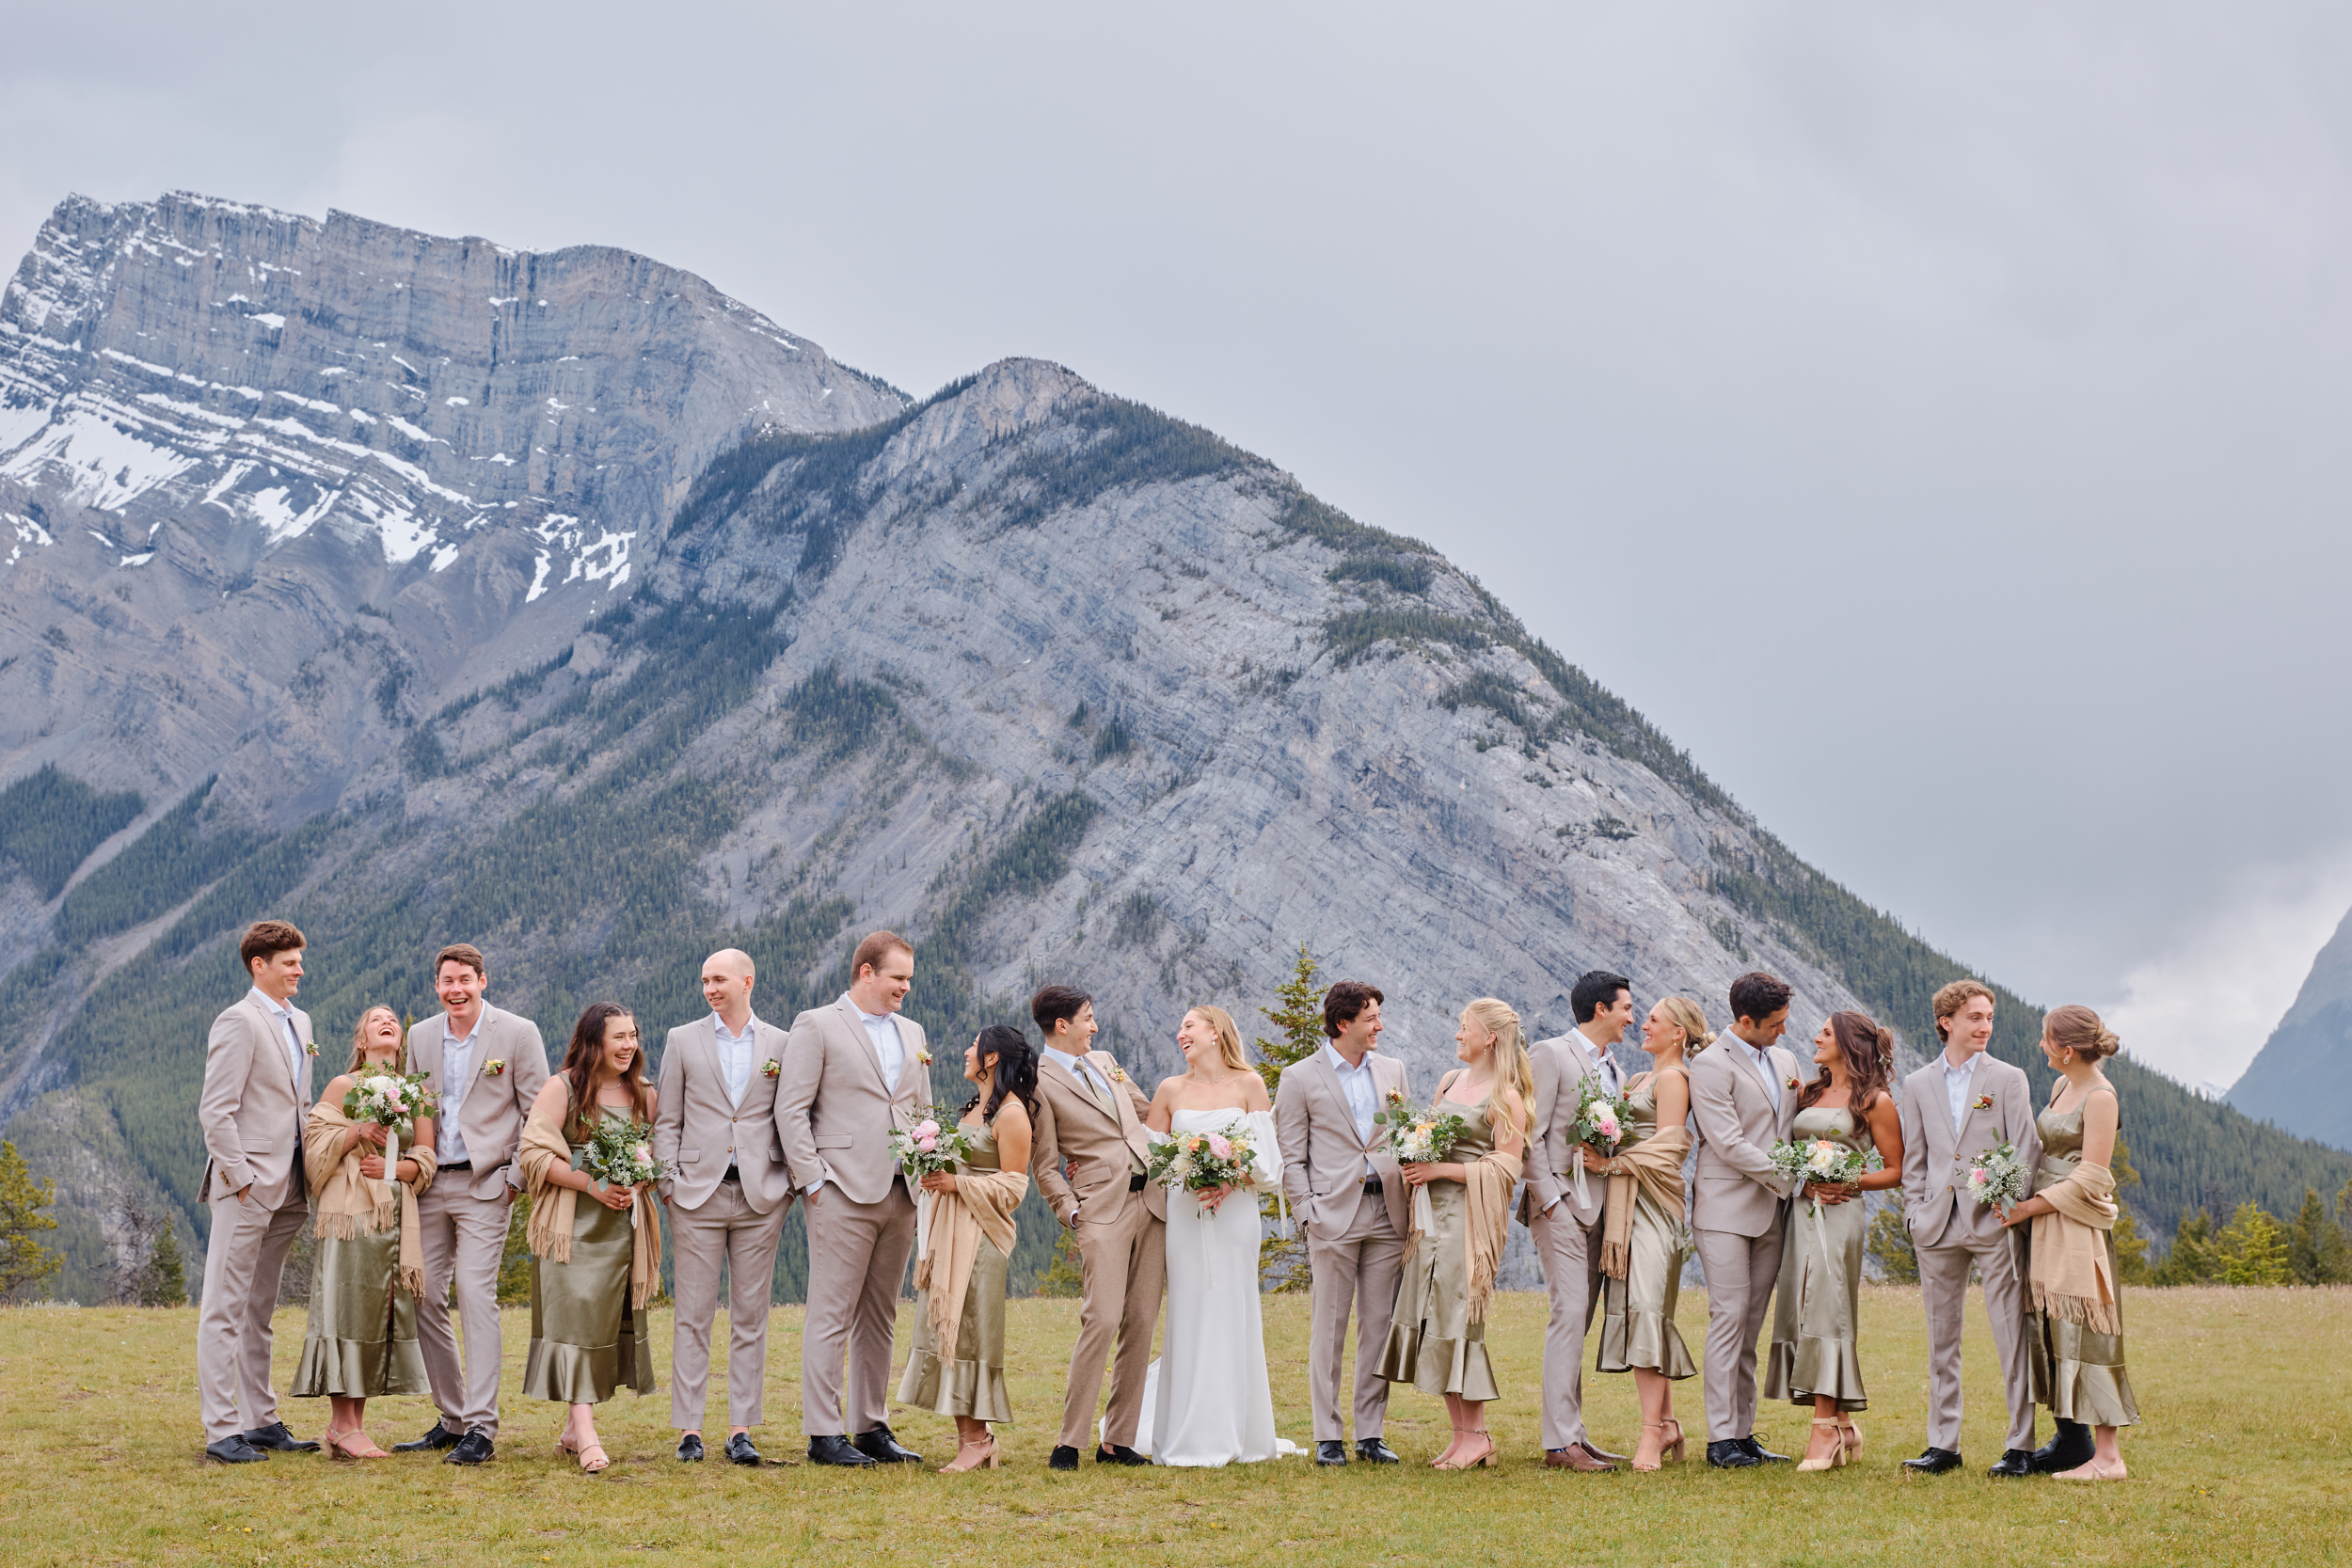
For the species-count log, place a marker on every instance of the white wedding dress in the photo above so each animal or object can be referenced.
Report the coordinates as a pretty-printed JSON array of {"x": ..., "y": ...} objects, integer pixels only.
[{"x": 1207, "y": 1401}]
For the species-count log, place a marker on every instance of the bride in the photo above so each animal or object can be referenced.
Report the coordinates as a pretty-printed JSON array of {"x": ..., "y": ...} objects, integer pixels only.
[{"x": 1210, "y": 1403}]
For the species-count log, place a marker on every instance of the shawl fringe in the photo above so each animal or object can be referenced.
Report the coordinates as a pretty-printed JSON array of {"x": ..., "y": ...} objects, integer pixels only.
[
  {"x": 980, "y": 1207},
  {"x": 351, "y": 1205},
  {"x": 553, "y": 1208},
  {"x": 1488, "y": 1180},
  {"x": 1655, "y": 1166},
  {"x": 2072, "y": 1277}
]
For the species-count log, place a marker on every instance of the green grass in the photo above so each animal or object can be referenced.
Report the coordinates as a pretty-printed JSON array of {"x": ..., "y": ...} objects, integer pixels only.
[{"x": 2238, "y": 1460}]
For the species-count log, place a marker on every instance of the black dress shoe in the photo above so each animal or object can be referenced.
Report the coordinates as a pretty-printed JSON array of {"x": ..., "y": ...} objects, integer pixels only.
[
  {"x": 2014, "y": 1462},
  {"x": 1331, "y": 1450},
  {"x": 1763, "y": 1455},
  {"x": 475, "y": 1447},
  {"x": 1374, "y": 1451},
  {"x": 883, "y": 1448},
  {"x": 1119, "y": 1453},
  {"x": 2070, "y": 1446},
  {"x": 690, "y": 1448},
  {"x": 1935, "y": 1461},
  {"x": 233, "y": 1451},
  {"x": 1731, "y": 1454},
  {"x": 836, "y": 1450},
  {"x": 739, "y": 1449},
  {"x": 278, "y": 1439},
  {"x": 440, "y": 1437},
  {"x": 1064, "y": 1458}
]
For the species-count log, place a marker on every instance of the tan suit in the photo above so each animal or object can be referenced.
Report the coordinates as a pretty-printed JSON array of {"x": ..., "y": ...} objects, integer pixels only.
[
  {"x": 834, "y": 1112},
  {"x": 1950, "y": 1231},
  {"x": 1739, "y": 1216},
  {"x": 1121, "y": 1235},
  {"x": 462, "y": 1217},
  {"x": 1354, "y": 1239},
  {"x": 701, "y": 1133},
  {"x": 1566, "y": 1229},
  {"x": 250, "y": 1110}
]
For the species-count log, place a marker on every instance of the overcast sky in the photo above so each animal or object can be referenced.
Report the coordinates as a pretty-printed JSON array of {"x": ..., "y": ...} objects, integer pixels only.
[{"x": 1932, "y": 416}]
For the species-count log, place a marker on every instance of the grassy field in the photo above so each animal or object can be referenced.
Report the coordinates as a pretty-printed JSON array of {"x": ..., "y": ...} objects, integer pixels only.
[{"x": 2239, "y": 1458}]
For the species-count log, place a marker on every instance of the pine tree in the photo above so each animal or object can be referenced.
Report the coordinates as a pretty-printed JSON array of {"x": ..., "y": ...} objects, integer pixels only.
[
  {"x": 1298, "y": 1019},
  {"x": 1888, "y": 1244},
  {"x": 2254, "y": 1248},
  {"x": 1063, "y": 1276},
  {"x": 2316, "y": 1253},
  {"x": 2193, "y": 1259},
  {"x": 2131, "y": 1247},
  {"x": 23, "y": 1262},
  {"x": 166, "y": 1280}
]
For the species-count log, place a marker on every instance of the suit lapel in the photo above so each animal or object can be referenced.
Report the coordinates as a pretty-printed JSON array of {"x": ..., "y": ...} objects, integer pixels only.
[
  {"x": 1339, "y": 1094},
  {"x": 867, "y": 1046},
  {"x": 271, "y": 1024},
  {"x": 1967, "y": 1106}
]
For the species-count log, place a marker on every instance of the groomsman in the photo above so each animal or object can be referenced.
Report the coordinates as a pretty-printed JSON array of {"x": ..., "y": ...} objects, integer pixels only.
[
  {"x": 1954, "y": 1108},
  {"x": 257, "y": 1090},
  {"x": 852, "y": 1072},
  {"x": 1350, "y": 1201},
  {"x": 487, "y": 1065},
  {"x": 728, "y": 1192},
  {"x": 1743, "y": 1097},
  {"x": 1089, "y": 1114},
  {"x": 1565, "y": 1227}
]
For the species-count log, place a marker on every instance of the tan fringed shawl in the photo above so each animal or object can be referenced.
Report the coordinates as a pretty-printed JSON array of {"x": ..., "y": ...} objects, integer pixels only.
[
  {"x": 544, "y": 1150},
  {"x": 1655, "y": 1165},
  {"x": 1487, "y": 1218},
  {"x": 351, "y": 1205},
  {"x": 2070, "y": 1275},
  {"x": 981, "y": 1206}
]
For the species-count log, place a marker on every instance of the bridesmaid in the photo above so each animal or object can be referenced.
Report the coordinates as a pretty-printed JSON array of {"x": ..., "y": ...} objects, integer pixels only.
[
  {"x": 591, "y": 1267},
  {"x": 1438, "y": 1338},
  {"x": 2075, "y": 1307},
  {"x": 362, "y": 1339},
  {"x": 1850, "y": 1102},
  {"x": 1643, "y": 1238},
  {"x": 956, "y": 1366}
]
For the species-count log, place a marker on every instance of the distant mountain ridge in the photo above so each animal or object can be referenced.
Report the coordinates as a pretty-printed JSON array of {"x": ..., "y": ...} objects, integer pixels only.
[
  {"x": 2301, "y": 1079},
  {"x": 1061, "y": 686}
]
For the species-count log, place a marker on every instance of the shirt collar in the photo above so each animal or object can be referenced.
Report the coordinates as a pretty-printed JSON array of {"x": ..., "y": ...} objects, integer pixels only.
[
  {"x": 1960, "y": 1071},
  {"x": 465, "y": 1042},
  {"x": 751, "y": 1027},
  {"x": 1073, "y": 1064},
  {"x": 869, "y": 1019},
  {"x": 283, "y": 1009},
  {"x": 1338, "y": 1062}
]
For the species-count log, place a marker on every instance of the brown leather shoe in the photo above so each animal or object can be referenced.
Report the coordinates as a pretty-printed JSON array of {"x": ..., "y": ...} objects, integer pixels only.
[
  {"x": 1602, "y": 1454},
  {"x": 1573, "y": 1458}
]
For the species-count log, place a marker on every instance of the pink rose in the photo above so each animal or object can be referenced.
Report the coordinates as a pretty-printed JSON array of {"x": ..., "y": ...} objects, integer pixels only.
[
  {"x": 1220, "y": 1146},
  {"x": 928, "y": 1146},
  {"x": 927, "y": 1129}
]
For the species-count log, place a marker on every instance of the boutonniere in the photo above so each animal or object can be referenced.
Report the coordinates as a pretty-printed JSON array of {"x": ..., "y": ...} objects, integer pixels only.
[
  {"x": 923, "y": 1055},
  {"x": 1984, "y": 1102},
  {"x": 494, "y": 1067},
  {"x": 770, "y": 1067},
  {"x": 1119, "y": 1074},
  {"x": 1794, "y": 1085},
  {"x": 309, "y": 1047}
]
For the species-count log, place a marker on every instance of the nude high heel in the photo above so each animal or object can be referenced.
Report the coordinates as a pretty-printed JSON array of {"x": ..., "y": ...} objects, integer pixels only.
[
  {"x": 982, "y": 1456},
  {"x": 1486, "y": 1459},
  {"x": 1837, "y": 1452},
  {"x": 1665, "y": 1445},
  {"x": 1852, "y": 1431}
]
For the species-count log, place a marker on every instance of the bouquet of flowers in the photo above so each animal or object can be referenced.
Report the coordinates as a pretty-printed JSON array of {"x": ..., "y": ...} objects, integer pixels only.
[
  {"x": 1419, "y": 1137},
  {"x": 931, "y": 1144},
  {"x": 392, "y": 1101},
  {"x": 620, "y": 1154},
  {"x": 1196, "y": 1162},
  {"x": 1996, "y": 1175},
  {"x": 1824, "y": 1161},
  {"x": 1601, "y": 1118}
]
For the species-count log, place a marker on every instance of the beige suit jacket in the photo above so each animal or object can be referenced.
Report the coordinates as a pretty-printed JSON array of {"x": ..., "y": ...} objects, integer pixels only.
[
  {"x": 491, "y": 1116},
  {"x": 1735, "y": 1128},
  {"x": 1560, "y": 1065},
  {"x": 698, "y": 1131},
  {"x": 1322, "y": 1157},
  {"x": 1937, "y": 1204},
  {"x": 1073, "y": 1128},
  {"x": 833, "y": 1112},
  {"x": 251, "y": 1107}
]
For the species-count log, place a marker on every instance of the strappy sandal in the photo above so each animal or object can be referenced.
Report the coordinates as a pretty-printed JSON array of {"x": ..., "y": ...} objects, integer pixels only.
[
  {"x": 984, "y": 1457},
  {"x": 1851, "y": 1434},
  {"x": 1836, "y": 1449},
  {"x": 564, "y": 1439},
  {"x": 592, "y": 1458},
  {"x": 1486, "y": 1459},
  {"x": 1665, "y": 1446}
]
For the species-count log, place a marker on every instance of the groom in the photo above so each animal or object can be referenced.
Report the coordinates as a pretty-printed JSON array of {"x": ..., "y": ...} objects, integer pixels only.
[
  {"x": 1351, "y": 1201},
  {"x": 1566, "y": 1228},
  {"x": 850, "y": 1075},
  {"x": 1089, "y": 1113}
]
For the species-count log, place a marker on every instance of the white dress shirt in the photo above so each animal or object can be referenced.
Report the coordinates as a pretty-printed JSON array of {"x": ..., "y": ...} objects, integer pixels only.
[
  {"x": 457, "y": 1078},
  {"x": 1090, "y": 1077},
  {"x": 1600, "y": 1058},
  {"x": 1759, "y": 1058},
  {"x": 735, "y": 1055},
  {"x": 1363, "y": 1097},
  {"x": 284, "y": 1015},
  {"x": 1956, "y": 1082},
  {"x": 882, "y": 1029}
]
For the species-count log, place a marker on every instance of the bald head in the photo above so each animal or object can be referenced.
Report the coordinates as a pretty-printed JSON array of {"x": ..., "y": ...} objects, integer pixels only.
[{"x": 727, "y": 987}]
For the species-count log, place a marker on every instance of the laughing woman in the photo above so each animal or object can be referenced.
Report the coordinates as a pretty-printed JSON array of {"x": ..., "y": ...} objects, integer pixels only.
[{"x": 595, "y": 1246}]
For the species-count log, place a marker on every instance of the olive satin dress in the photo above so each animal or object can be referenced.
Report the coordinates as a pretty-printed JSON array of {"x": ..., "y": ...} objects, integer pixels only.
[
  {"x": 2077, "y": 1372},
  {"x": 973, "y": 1385},
  {"x": 1814, "y": 1348},
  {"x": 1637, "y": 1326},
  {"x": 585, "y": 1340},
  {"x": 361, "y": 1340},
  {"x": 1432, "y": 1344}
]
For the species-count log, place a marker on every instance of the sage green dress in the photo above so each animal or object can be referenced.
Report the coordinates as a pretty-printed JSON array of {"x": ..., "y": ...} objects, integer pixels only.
[
  {"x": 1814, "y": 1351},
  {"x": 587, "y": 1342},
  {"x": 2076, "y": 1370},
  {"x": 1432, "y": 1344},
  {"x": 974, "y": 1383},
  {"x": 361, "y": 1340},
  {"x": 1637, "y": 1326}
]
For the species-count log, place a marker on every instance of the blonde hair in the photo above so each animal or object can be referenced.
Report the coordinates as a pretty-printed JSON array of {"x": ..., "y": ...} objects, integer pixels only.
[
  {"x": 1228, "y": 1037},
  {"x": 1684, "y": 1014},
  {"x": 1951, "y": 998},
  {"x": 2079, "y": 1029},
  {"x": 1512, "y": 1069},
  {"x": 359, "y": 1042}
]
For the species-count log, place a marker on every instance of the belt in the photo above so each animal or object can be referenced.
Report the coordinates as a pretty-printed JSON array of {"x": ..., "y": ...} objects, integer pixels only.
[
  {"x": 1135, "y": 1182},
  {"x": 455, "y": 1165},
  {"x": 1372, "y": 1186},
  {"x": 732, "y": 1175}
]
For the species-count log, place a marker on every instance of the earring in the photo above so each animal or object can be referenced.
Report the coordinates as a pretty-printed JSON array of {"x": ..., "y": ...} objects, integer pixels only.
[{"x": 2066, "y": 1054}]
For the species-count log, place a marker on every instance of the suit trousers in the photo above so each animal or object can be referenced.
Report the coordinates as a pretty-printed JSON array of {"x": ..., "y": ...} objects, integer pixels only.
[
  {"x": 1358, "y": 1268},
  {"x": 1944, "y": 1288},
  {"x": 1571, "y": 1255},
  {"x": 857, "y": 1259},
  {"x": 1743, "y": 1273},
  {"x": 464, "y": 1241},
  {"x": 726, "y": 1228},
  {"x": 244, "y": 1259},
  {"x": 1123, "y": 1258}
]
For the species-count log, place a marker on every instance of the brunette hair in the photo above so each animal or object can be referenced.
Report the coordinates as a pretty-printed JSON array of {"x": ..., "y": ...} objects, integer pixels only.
[
  {"x": 1016, "y": 1071},
  {"x": 583, "y": 1068},
  {"x": 1513, "y": 1071},
  {"x": 2079, "y": 1029},
  {"x": 1758, "y": 996},
  {"x": 1597, "y": 990},
  {"x": 1229, "y": 1049},
  {"x": 1053, "y": 1003},
  {"x": 1696, "y": 1036},
  {"x": 1951, "y": 998},
  {"x": 266, "y": 939},
  {"x": 359, "y": 1040},
  {"x": 1869, "y": 1052},
  {"x": 1344, "y": 1003},
  {"x": 876, "y": 948},
  {"x": 464, "y": 953}
]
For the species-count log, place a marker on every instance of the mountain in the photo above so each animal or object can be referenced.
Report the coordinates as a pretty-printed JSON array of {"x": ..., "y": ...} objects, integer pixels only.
[
  {"x": 2301, "y": 1079},
  {"x": 1059, "y": 686}
]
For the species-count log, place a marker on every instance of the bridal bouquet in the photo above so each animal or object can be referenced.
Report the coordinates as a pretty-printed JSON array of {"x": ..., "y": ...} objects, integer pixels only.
[
  {"x": 1196, "y": 1162},
  {"x": 1601, "y": 1118},
  {"x": 1823, "y": 1159},
  {"x": 619, "y": 1155},
  {"x": 1419, "y": 1137},
  {"x": 1997, "y": 1177},
  {"x": 931, "y": 1144},
  {"x": 391, "y": 1101}
]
